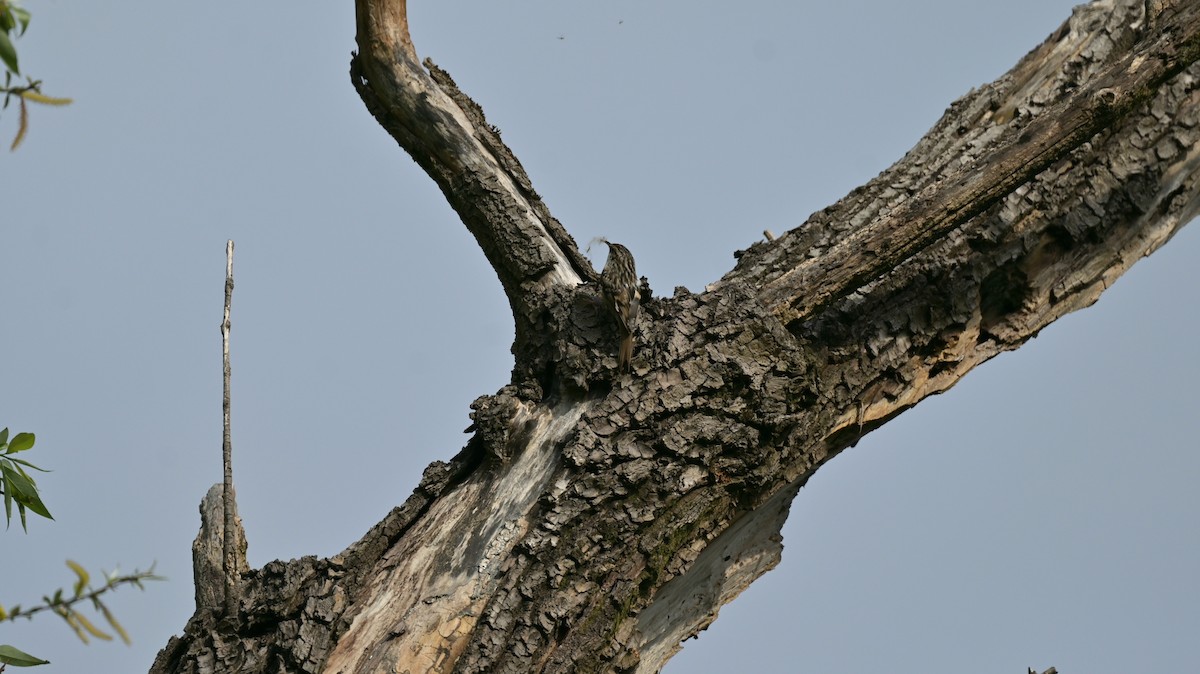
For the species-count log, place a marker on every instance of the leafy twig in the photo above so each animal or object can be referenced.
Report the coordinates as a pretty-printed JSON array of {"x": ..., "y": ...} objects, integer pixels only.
[
  {"x": 14, "y": 20},
  {"x": 83, "y": 591},
  {"x": 15, "y": 484}
]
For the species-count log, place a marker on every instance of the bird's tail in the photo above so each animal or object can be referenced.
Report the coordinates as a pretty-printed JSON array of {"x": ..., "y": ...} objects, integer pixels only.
[{"x": 625, "y": 354}]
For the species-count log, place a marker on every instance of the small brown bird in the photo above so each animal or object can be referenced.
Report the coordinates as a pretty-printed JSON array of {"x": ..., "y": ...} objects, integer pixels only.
[{"x": 619, "y": 286}]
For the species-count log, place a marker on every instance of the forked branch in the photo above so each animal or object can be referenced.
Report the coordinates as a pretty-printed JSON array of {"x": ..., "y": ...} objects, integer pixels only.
[{"x": 447, "y": 135}]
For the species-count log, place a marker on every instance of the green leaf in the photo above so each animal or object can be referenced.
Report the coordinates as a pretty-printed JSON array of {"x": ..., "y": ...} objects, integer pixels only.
[
  {"x": 7, "y": 501},
  {"x": 3, "y": 436},
  {"x": 21, "y": 442},
  {"x": 70, "y": 617},
  {"x": 83, "y": 577},
  {"x": 7, "y": 20},
  {"x": 91, "y": 629},
  {"x": 19, "y": 658},
  {"x": 35, "y": 504},
  {"x": 25, "y": 463},
  {"x": 24, "y": 491},
  {"x": 8, "y": 53},
  {"x": 112, "y": 621},
  {"x": 17, "y": 483},
  {"x": 22, "y": 18}
]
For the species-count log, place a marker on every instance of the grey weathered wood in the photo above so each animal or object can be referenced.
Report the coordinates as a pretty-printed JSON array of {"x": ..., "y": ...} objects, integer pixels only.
[
  {"x": 232, "y": 565},
  {"x": 209, "y": 561}
]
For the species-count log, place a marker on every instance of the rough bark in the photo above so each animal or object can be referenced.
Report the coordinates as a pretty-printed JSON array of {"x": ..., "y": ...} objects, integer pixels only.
[{"x": 596, "y": 520}]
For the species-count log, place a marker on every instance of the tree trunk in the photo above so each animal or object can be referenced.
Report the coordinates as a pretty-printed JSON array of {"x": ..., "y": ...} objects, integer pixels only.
[{"x": 597, "y": 519}]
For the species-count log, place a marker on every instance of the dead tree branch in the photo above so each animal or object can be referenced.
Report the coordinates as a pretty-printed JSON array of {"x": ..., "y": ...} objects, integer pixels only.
[{"x": 595, "y": 520}]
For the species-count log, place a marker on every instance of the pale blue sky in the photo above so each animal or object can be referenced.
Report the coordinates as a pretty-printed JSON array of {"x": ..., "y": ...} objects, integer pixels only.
[{"x": 1041, "y": 513}]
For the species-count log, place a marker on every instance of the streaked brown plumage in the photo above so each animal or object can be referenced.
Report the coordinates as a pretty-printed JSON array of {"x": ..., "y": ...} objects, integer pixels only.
[{"x": 619, "y": 286}]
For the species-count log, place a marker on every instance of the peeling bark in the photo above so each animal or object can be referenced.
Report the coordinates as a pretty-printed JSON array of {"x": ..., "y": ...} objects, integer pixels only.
[{"x": 595, "y": 520}]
